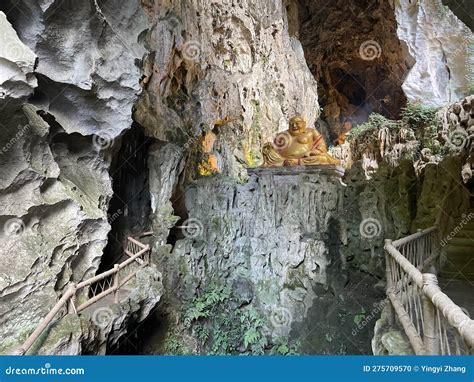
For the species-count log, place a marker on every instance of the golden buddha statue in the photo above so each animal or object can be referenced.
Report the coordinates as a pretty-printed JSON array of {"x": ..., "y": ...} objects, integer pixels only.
[{"x": 298, "y": 146}]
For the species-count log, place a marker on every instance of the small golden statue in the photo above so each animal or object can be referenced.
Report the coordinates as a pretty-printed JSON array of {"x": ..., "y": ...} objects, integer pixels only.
[{"x": 298, "y": 146}]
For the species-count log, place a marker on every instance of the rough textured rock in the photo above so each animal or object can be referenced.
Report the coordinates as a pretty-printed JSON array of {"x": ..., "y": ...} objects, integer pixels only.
[
  {"x": 442, "y": 47},
  {"x": 375, "y": 210},
  {"x": 55, "y": 185},
  {"x": 87, "y": 65},
  {"x": 166, "y": 164},
  {"x": 389, "y": 340},
  {"x": 353, "y": 51},
  {"x": 279, "y": 233},
  {"x": 229, "y": 66},
  {"x": 461, "y": 9},
  {"x": 17, "y": 63},
  {"x": 442, "y": 197},
  {"x": 235, "y": 68}
]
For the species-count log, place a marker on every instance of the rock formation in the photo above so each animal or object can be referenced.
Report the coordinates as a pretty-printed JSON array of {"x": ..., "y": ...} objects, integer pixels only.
[{"x": 90, "y": 89}]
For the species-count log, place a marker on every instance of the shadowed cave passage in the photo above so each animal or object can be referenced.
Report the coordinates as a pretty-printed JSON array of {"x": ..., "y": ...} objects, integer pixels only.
[
  {"x": 129, "y": 207},
  {"x": 354, "y": 53}
]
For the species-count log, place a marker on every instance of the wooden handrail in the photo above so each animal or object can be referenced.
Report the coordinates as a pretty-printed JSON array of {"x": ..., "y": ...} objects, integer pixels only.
[
  {"x": 134, "y": 241},
  {"x": 71, "y": 291},
  {"x": 74, "y": 288},
  {"x": 428, "y": 285},
  {"x": 405, "y": 240}
]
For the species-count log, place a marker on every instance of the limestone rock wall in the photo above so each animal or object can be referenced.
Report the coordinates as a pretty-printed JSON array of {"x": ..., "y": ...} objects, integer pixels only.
[
  {"x": 79, "y": 64},
  {"x": 228, "y": 66},
  {"x": 443, "y": 49},
  {"x": 273, "y": 239}
]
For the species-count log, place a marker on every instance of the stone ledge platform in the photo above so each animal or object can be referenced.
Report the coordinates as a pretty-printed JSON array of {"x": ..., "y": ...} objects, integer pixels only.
[{"x": 295, "y": 170}]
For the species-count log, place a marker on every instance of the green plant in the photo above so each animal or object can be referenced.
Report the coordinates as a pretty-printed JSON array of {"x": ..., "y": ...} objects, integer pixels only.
[
  {"x": 201, "y": 307},
  {"x": 221, "y": 325},
  {"x": 423, "y": 120},
  {"x": 282, "y": 347},
  {"x": 375, "y": 122},
  {"x": 174, "y": 346},
  {"x": 419, "y": 116},
  {"x": 358, "y": 318}
]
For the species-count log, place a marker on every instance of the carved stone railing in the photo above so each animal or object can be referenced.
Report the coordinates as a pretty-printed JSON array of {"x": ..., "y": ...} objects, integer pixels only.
[
  {"x": 433, "y": 323},
  {"x": 84, "y": 294}
]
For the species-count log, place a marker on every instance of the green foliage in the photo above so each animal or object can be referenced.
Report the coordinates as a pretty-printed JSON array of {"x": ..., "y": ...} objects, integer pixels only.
[
  {"x": 418, "y": 116},
  {"x": 375, "y": 122},
  {"x": 282, "y": 347},
  {"x": 201, "y": 307},
  {"x": 358, "y": 318},
  {"x": 220, "y": 325},
  {"x": 174, "y": 345},
  {"x": 425, "y": 124}
]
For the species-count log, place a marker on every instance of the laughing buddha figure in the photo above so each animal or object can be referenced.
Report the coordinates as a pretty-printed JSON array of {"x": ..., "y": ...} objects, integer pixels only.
[{"x": 298, "y": 146}]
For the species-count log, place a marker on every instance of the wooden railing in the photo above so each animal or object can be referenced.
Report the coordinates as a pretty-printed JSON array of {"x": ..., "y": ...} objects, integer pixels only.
[
  {"x": 433, "y": 323},
  {"x": 84, "y": 294}
]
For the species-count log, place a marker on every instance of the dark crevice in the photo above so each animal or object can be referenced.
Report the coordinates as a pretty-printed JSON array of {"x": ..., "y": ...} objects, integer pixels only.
[{"x": 129, "y": 208}]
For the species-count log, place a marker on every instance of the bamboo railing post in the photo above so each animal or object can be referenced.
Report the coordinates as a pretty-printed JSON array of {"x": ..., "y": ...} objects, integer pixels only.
[
  {"x": 45, "y": 322},
  {"x": 71, "y": 308},
  {"x": 116, "y": 283},
  {"x": 390, "y": 286},
  {"x": 430, "y": 339}
]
